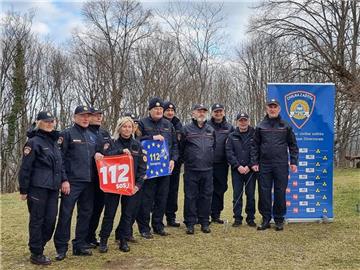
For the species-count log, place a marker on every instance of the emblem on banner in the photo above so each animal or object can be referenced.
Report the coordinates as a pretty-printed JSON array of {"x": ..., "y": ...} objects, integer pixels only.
[{"x": 299, "y": 106}]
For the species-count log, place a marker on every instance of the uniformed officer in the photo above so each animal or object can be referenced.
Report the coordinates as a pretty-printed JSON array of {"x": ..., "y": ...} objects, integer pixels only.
[
  {"x": 135, "y": 135},
  {"x": 102, "y": 138},
  {"x": 78, "y": 149},
  {"x": 221, "y": 167},
  {"x": 238, "y": 147},
  {"x": 172, "y": 200},
  {"x": 155, "y": 190},
  {"x": 272, "y": 140},
  {"x": 123, "y": 143},
  {"x": 197, "y": 147},
  {"x": 40, "y": 178}
]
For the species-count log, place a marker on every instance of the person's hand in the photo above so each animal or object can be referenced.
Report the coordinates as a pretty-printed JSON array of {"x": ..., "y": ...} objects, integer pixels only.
[
  {"x": 255, "y": 168},
  {"x": 98, "y": 156},
  {"x": 293, "y": 168},
  {"x": 65, "y": 187},
  {"x": 247, "y": 169},
  {"x": 158, "y": 138},
  {"x": 127, "y": 152},
  {"x": 171, "y": 165},
  {"x": 241, "y": 169},
  {"x": 23, "y": 197}
]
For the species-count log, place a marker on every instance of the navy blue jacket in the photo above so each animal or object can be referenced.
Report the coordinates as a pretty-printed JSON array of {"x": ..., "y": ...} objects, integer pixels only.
[
  {"x": 102, "y": 139},
  {"x": 78, "y": 149},
  {"x": 116, "y": 148},
  {"x": 272, "y": 139},
  {"x": 149, "y": 128},
  {"x": 41, "y": 163},
  {"x": 197, "y": 146},
  {"x": 178, "y": 126},
  {"x": 238, "y": 148},
  {"x": 222, "y": 131}
]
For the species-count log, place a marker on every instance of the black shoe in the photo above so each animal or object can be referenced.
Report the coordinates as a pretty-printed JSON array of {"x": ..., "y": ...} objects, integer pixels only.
[
  {"x": 146, "y": 235},
  {"x": 279, "y": 226},
  {"x": 90, "y": 246},
  {"x": 237, "y": 223},
  {"x": 263, "y": 226},
  {"x": 205, "y": 229},
  {"x": 82, "y": 252},
  {"x": 161, "y": 232},
  {"x": 130, "y": 239},
  {"x": 60, "y": 256},
  {"x": 217, "y": 220},
  {"x": 40, "y": 259},
  {"x": 103, "y": 247},
  {"x": 190, "y": 230},
  {"x": 251, "y": 223},
  {"x": 124, "y": 246},
  {"x": 173, "y": 223}
]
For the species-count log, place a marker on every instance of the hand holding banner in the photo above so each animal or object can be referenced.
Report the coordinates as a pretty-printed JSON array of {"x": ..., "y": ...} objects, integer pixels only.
[{"x": 116, "y": 174}]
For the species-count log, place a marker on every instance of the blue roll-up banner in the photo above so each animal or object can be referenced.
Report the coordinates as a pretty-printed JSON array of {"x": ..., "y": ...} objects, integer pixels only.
[
  {"x": 309, "y": 108},
  {"x": 157, "y": 154}
]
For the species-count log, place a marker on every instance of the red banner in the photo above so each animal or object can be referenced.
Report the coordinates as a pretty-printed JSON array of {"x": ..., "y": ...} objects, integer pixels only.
[{"x": 116, "y": 174}]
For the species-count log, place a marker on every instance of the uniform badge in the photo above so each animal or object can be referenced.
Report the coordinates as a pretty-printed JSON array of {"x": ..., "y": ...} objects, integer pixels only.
[
  {"x": 299, "y": 106},
  {"x": 60, "y": 140},
  {"x": 27, "y": 150},
  {"x": 48, "y": 114},
  {"x": 157, "y": 104},
  {"x": 106, "y": 146}
]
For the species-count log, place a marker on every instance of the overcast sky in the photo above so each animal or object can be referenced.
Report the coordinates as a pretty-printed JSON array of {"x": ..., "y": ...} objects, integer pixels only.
[{"x": 55, "y": 19}]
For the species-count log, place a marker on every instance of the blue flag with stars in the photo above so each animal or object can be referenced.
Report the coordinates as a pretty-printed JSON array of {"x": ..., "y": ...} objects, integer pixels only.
[{"x": 157, "y": 154}]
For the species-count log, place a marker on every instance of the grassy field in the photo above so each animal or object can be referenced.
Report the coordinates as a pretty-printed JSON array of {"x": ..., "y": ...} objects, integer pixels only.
[{"x": 300, "y": 246}]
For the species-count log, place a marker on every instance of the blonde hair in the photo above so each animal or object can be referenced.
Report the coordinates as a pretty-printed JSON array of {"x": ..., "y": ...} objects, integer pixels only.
[{"x": 120, "y": 123}]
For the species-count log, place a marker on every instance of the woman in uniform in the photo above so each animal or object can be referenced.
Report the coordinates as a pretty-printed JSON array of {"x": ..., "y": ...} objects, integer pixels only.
[
  {"x": 123, "y": 143},
  {"x": 40, "y": 178}
]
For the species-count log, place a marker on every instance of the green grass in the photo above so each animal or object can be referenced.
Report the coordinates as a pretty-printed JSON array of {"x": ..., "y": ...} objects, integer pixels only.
[{"x": 301, "y": 246}]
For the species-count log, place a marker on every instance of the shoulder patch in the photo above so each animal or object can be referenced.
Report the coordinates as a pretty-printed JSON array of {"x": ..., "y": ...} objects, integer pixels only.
[
  {"x": 27, "y": 150},
  {"x": 60, "y": 140},
  {"x": 106, "y": 146}
]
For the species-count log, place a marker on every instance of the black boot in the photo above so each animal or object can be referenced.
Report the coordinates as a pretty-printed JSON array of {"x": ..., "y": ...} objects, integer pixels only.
[
  {"x": 173, "y": 223},
  {"x": 103, "y": 247},
  {"x": 40, "y": 259},
  {"x": 124, "y": 245}
]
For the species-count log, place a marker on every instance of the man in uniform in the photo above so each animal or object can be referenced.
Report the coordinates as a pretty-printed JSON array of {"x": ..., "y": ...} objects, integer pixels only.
[
  {"x": 197, "y": 146},
  {"x": 221, "y": 167},
  {"x": 78, "y": 150},
  {"x": 155, "y": 190},
  {"x": 102, "y": 139},
  {"x": 238, "y": 147},
  {"x": 172, "y": 200},
  {"x": 273, "y": 139}
]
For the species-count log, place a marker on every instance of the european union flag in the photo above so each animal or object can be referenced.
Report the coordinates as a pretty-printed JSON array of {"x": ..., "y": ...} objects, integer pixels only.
[{"x": 157, "y": 154}]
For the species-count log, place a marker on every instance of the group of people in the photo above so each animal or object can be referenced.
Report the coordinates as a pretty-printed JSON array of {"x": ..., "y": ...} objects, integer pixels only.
[{"x": 66, "y": 161}]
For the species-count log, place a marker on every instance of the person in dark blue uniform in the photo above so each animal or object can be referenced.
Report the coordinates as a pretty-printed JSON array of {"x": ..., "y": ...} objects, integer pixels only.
[
  {"x": 155, "y": 190},
  {"x": 273, "y": 139},
  {"x": 78, "y": 150},
  {"x": 123, "y": 143},
  {"x": 40, "y": 179},
  {"x": 172, "y": 200},
  {"x": 101, "y": 138},
  {"x": 238, "y": 147},
  {"x": 221, "y": 166},
  {"x": 197, "y": 147}
]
